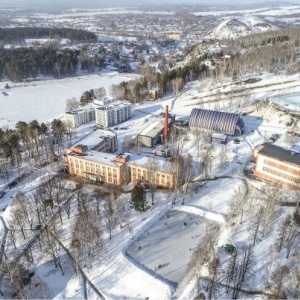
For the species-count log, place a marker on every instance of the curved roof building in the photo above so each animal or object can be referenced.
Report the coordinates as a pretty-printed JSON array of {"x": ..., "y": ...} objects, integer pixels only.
[{"x": 216, "y": 121}]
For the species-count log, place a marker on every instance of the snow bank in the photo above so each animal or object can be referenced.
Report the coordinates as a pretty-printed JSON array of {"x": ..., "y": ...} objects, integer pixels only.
[{"x": 201, "y": 211}]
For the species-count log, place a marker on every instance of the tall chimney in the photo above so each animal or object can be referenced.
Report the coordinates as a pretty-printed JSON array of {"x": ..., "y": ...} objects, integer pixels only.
[{"x": 166, "y": 129}]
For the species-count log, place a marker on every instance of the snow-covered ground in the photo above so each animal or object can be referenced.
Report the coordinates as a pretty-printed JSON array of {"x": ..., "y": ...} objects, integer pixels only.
[
  {"x": 46, "y": 99},
  {"x": 123, "y": 270}
]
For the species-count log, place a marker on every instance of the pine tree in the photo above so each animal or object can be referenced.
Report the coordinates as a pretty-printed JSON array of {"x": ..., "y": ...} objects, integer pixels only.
[{"x": 138, "y": 197}]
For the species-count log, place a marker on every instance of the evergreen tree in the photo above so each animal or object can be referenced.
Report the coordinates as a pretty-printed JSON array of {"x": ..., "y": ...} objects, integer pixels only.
[{"x": 138, "y": 197}]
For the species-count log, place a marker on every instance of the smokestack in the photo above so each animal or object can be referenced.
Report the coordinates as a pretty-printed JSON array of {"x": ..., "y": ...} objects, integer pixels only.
[{"x": 166, "y": 129}]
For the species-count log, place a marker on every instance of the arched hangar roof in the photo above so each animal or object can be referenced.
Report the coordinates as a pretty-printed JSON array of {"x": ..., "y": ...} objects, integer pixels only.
[{"x": 215, "y": 121}]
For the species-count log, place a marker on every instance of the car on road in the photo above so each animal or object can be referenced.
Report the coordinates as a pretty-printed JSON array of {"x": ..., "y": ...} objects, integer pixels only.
[{"x": 2, "y": 193}]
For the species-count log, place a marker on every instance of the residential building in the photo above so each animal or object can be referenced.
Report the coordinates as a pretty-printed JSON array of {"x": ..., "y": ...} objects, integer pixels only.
[
  {"x": 112, "y": 113},
  {"x": 80, "y": 116},
  {"x": 141, "y": 167},
  {"x": 277, "y": 165}
]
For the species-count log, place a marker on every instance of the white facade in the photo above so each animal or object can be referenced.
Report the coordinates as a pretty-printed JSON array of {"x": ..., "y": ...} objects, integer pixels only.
[
  {"x": 80, "y": 116},
  {"x": 112, "y": 114}
]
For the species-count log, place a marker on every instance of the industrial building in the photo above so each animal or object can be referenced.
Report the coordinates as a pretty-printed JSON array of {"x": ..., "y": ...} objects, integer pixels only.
[
  {"x": 112, "y": 112},
  {"x": 277, "y": 165},
  {"x": 216, "y": 121},
  {"x": 152, "y": 135},
  {"x": 80, "y": 116},
  {"x": 157, "y": 131}
]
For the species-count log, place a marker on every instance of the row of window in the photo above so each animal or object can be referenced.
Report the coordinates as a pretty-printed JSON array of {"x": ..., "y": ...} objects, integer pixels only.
[
  {"x": 90, "y": 164},
  {"x": 272, "y": 179},
  {"x": 282, "y": 175},
  {"x": 97, "y": 172},
  {"x": 279, "y": 166}
]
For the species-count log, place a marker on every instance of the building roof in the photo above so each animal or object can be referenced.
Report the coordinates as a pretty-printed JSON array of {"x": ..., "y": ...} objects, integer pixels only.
[
  {"x": 95, "y": 138},
  {"x": 100, "y": 157},
  {"x": 218, "y": 121},
  {"x": 153, "y": 129},
  {"x": 143, "y": 161},
  {"x": 219, "y": 136},
  {"x": 281, "y": 154},
  {"x": 115, "y": 105},
  {"x": 296, "y": 147},
  {"x": 89, "y": 107}
]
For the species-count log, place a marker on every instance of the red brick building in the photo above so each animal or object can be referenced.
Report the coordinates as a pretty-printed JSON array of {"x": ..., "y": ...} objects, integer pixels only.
[{"x": 277, "y": 165}]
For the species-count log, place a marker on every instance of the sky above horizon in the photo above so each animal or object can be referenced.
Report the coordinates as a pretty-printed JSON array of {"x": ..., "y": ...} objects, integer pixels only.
[{"x": 113, "y": 3}]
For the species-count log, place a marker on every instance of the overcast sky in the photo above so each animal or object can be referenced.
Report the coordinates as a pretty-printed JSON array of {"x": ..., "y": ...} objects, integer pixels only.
[{"x": 108, "y": 3}]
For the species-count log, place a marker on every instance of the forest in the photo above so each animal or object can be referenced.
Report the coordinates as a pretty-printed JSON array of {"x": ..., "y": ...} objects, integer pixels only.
[
  {"x": 20, "y": 33},
  {"x": 22, "y": 63}
]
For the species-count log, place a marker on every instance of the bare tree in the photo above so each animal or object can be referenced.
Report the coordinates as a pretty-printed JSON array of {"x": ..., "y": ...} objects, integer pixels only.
[
  {"x": 188, "y": 172},
  {"x": 109, "y": 213},
  {"x": 276, "y": 282},
  {"x": 53, "y": 248},
  {"x": 294, "y": 280},
  {"x": 283, "y": 231},
  {"x": 100, "y": 92},
  {"x": 293, "y": 238},
  {"x": 223, "y": 156},
  {"x": 152, "y": 166},
  {"x": 87, "y": 236},
  {"x": 127, "y": 143},
  {"x": 242, "y": 270},
  {"x": 238, "y": 204},
  {"x": 257, "y": 224},
  {"x": 178, "y": 170},
  {"x": 214, "y": 272},
  {"x": 72, "y": 104}
]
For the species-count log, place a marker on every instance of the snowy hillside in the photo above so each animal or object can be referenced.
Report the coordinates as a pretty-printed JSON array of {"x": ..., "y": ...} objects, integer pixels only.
[{"x": 240, "y": 26}]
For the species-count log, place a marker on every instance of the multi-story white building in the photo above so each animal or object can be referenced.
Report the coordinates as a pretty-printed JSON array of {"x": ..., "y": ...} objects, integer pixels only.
[
  {"x": 115, "y": 112},
  {"x": 80, "y": 116}
]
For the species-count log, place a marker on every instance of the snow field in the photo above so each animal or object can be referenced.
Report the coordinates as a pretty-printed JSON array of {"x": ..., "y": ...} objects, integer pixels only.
[
  {"x": 164, "y": 238},
  {"x": 45, "y": 100}
]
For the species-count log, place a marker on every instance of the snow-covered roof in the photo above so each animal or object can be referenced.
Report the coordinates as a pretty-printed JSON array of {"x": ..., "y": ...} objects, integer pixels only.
[
  {"x": 143, "y": 161},
  {"x": 95, "y": 138},
  {"x": 101, "y": 157},
  {"x": 153, "y": 129}
]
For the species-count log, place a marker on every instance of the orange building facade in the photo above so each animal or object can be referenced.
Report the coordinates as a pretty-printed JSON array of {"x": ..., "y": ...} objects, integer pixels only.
[
  {"x": 140, "y": 172},
  {"x": 277, "y": 165},
  {"x": 96, "y": 166}
]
